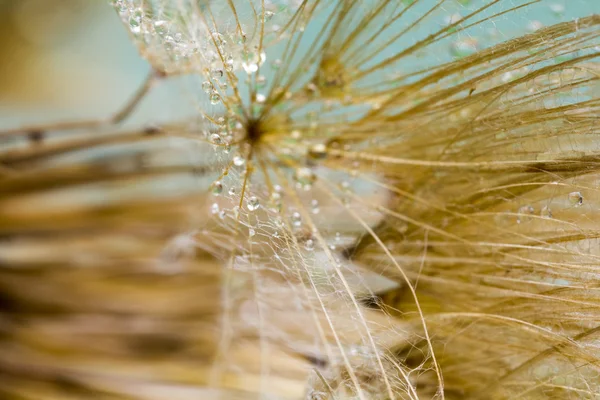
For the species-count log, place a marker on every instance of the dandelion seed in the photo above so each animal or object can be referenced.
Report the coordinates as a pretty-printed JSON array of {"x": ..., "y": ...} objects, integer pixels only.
[{"x": 391, "y": 136}]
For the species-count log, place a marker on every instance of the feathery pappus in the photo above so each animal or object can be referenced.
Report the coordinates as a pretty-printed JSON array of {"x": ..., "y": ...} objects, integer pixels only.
[{"x": 375, "y": 200}]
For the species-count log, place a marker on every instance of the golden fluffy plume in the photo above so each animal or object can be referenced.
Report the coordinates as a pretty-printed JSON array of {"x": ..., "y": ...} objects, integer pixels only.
[{"x": 369, "y": 204}]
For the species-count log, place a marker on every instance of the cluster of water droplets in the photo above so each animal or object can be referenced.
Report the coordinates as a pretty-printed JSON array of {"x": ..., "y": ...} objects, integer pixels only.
[
  {"x": 526, "y": 212},
  {"x": 469, "y": 43},
  {"x": 191, "y": 36}
]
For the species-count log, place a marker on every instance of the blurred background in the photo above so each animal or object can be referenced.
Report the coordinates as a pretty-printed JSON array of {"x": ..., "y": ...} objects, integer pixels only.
[{"x": 69, "y": 59}]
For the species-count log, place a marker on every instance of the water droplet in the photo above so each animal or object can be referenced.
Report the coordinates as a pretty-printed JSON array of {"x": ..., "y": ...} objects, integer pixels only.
[
  {"x": 275, "y": 196},
  {"x": 525, "y": 213},
  {"x": 214, "y": 209},
  {"x": 217, "y": 188},
  {"x": 218, "y": 39},
  {"x": 576, "y": 198},
  {"x": 207, "y": 87},
  {"x": 269, "y": 15},
  {"x": 276, "y": 64},
  {"x": 260, "y": 98},
  {"x": 304, "y": 177},
  {"x": 238, "y": 160},
  {"x": 261, "y": 81},
  {"x": 232, "y": 191},
  {"x": 507, "y": 77},
  {"x": 250, "y": 68},
  {"x": 315, "y": 206},
  {"x": 161, "y": 27},
  {"x": 557, "y": 9},
  {"x": 464, "y": 47},
  {"x": 453, "y": 18},
  {"x": 251, "y": 232},
  {"x": 253, "y": 203},
  {"x": 217, "y": 73},
  {"x": 546, "y": 212},
  {"x": 296, "y": 219},
  {"x": 215, "y": 98},
  {"x": 534, "y": 26},
  {"x": 135, "y": 21},
  {"x": 317, "y": 151},
  {"x": 229, "y": 64},
  {"x": 216, "y": 138},
  {"x": 309, "y": 245}
]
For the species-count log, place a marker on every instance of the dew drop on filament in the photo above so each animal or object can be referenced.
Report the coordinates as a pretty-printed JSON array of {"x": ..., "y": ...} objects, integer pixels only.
[
  {"x": 253, "y": 203},
  {"x": 576, "y": 198},
  {"x": 217, "y": 188}
]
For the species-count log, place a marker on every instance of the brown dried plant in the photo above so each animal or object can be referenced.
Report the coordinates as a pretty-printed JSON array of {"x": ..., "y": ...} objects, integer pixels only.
[{"x": 351, "y": 216}]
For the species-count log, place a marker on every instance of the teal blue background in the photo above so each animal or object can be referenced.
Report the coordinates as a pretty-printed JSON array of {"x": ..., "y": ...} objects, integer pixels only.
[{"x": 89, "y": 67}]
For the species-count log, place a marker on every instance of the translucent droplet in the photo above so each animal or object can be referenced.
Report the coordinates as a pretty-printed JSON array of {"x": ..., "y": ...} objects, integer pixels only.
[
  {"x": 464, "y": 47},
  {"x": 453, "y": 18},
  {"x": 217, "y": 188},
  {"x": 315, "y": 206},
  {"x": 251, "y": 232},
  {"x": 534, "y": 26},
  {"x": 232, "y": 191},
  {"x": 250, "y": 67},
  {"x": 215, "y": 99},
  {"x": 218, "y": 39},
  {"x": 318, "y": 151},
  {"x": 507, "y": 77},
  {"x": 576, "y": 198},
  {"x": 546, "y": 212},
  {"x": 135, "y": 21},
  {"x": 216, "y": 138},
  {"x": 260, "y": 98},
  {"x": 309, "y": 245},
  {"x": 214, "y": 209},
  {"x": 269, "y": 15},
  {"x": 296, "y": 219},
  {"x": 261, "y": 81},
  {"x": 557, "y": 9},
  {"x": 253, "y": 203},
  {"x": 304, "y": 177},
  {"x": 276, "y": 64},
  {"x": 161, "y": 27},
  {"x": 207, "y": 87},
  {"x": 217, "y": 73},
  {"x": 275, "y": 196},
  {"x": 238, "y": 160},
  {"x": 525, "y": 213}
]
